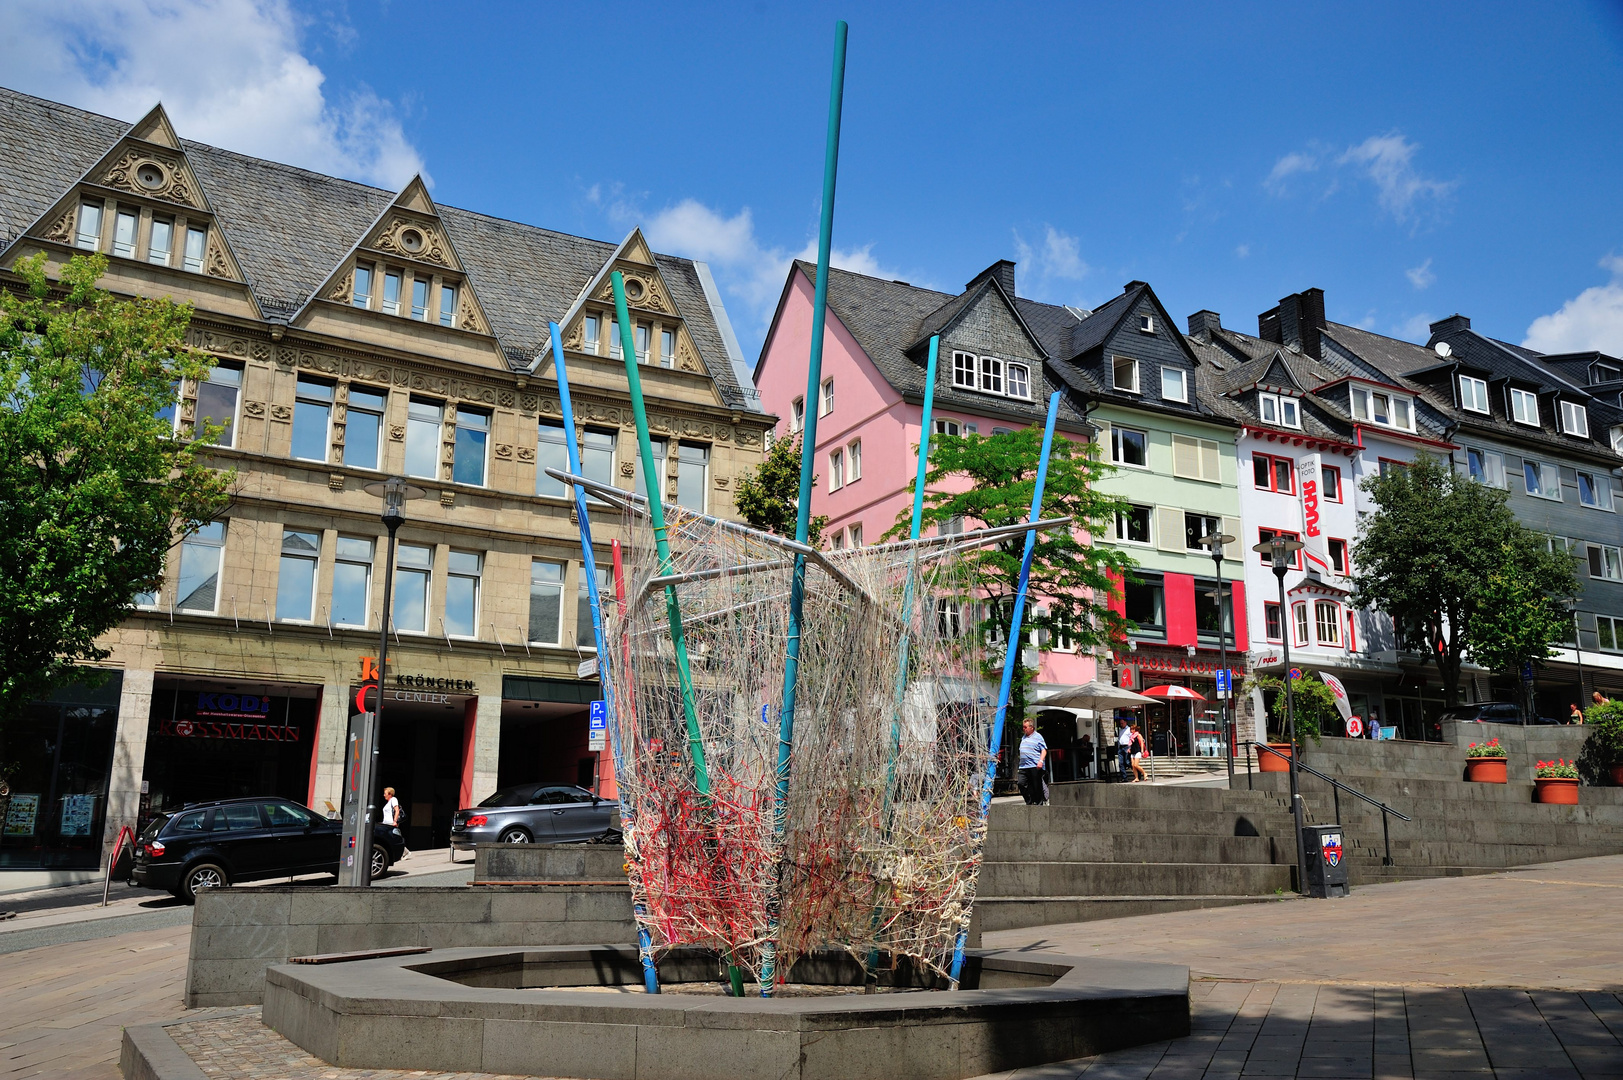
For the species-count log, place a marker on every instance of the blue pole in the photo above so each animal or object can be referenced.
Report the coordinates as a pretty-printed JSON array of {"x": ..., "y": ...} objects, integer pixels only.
[
  {"x": 924, "y": 436},
  {"x": 808, "y": 455},
  {"x": 1010, "y": 652},
  {"x": 645, "y": 947}
]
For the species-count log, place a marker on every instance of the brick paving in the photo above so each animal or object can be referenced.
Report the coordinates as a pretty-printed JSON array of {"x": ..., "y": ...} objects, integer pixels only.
[{"x": 239, "y": 1047}]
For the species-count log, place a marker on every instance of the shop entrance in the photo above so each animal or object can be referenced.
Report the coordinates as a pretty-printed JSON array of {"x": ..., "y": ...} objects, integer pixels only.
[
  {"x": 212, "y": 739},
  {"x": 422, "y": 751},
  {"x": 545, "y": 742}
]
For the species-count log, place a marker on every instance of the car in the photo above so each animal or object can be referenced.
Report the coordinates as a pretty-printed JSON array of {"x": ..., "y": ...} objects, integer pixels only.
[
  {"x": 535, "y": 814},
  {"x": 214, "y": 844},
  {"x": 1493, "y": 712}
]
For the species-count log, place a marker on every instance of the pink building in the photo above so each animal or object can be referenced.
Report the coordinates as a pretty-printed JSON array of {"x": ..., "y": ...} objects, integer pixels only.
[{"x": 993, "y": 374}]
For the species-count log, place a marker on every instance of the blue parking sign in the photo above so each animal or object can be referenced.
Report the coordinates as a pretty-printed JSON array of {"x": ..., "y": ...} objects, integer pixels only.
[
  {"x": 1224, "y": 682},
  {"x": 600, "y": 716}
]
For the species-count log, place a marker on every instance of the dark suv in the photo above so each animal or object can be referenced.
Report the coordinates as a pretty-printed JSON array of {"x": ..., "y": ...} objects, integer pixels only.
[
  {"x": 1493, "y": 712},
  {"x": 213, "y": 844}
]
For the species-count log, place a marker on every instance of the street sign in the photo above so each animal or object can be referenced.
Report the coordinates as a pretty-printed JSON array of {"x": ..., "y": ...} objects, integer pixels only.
[
  {"x": 598, "y": 732},
  {"x": 1296, "y": 673},
  {"x": 586, "y": 669},
  {"x": 1527, "y": 672},
  {"x": 1225, "y": 679}
]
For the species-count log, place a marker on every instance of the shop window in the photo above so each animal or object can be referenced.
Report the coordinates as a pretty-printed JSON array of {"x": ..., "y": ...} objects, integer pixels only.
[
  {"x": 463, "y": 570},
  {"x": 1146, "y": 605},
  {"x": 414, "y": 569},
  {"x": 217, "y": 399},
  {"x": 1271, "y": 623},
  {"x": 201, "y": 554},
  {"x": 363, "y": 433},
  {"x": 551, "y": 452},
  {"x": 352, "y": 582},
  {"x": 585, "y": 632},
  {"x": 423, "y": 420},
  {"x": 692, "y": 469},
  {"x": 472, "y": 445},
  {"x": 296, "y": 575},
  {"x": 1129, "y": 446},
  {"x": 1327, "y": 622},
  {"x": 160, "y": 246},
  {"x": 546, "y": 602},
  {"x": 196, "y": 242},
  {"x": 312, "y": 419},
  {"x": 58, "y": 754}
]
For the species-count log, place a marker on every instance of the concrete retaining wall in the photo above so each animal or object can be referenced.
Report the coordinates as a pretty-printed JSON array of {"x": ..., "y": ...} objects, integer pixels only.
[
  {"x": 238, "y": 933},
  {"x": 548, "y": 862}
]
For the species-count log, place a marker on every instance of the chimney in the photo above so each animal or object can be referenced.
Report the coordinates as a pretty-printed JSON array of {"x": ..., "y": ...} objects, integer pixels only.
[
  {"x": 1296, "y": 322},
  {"x": 1448, "y": 327},
  {"x": 1203, "y": 322},
  {"x": 1003, "y": 270}
]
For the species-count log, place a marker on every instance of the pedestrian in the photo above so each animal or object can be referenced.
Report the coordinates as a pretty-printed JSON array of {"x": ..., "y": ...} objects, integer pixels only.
[
  {"x": 1084, "y": 757},
  {"x": 1124, "y": 750},
  {"x": 1600, "y": 698},
  {"x": 1139, "y": 751},
  {"x": 394, "y": 817},
  {"x": 1374, "y": 724},
  {"x": 1577, "y": 716},
  {"x": 1033, "y": 757}
]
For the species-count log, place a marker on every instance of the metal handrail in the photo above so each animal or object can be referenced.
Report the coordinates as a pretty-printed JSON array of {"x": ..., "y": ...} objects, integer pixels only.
[{"x": 1336, "y": 787}]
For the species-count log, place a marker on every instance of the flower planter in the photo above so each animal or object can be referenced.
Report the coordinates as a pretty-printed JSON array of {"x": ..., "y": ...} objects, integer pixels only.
[
  {"x": 1486, "y": 770},
  {"x": 1559, "y": 790},
  {"x": 1267, "y": 762},
  {"x": 1617, "y": 774}
]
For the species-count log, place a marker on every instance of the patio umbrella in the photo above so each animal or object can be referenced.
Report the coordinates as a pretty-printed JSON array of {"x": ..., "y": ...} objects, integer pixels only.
[
  {"x": 1175, "y": 693},
  {"x": 1089, "y": 695}
]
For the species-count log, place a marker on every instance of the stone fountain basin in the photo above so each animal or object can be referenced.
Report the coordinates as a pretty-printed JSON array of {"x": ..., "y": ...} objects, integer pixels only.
[{"x": 483, "y": 1010}]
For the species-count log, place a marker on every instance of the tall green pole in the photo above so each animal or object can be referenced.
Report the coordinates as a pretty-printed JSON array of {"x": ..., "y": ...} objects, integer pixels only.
[
  {"x": 656, "y": 515},
  {"x": 808, "y": 456}
]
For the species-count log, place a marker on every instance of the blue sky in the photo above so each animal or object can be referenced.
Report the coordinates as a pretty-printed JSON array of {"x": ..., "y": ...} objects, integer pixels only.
[{"x": 1411, "y": 160}]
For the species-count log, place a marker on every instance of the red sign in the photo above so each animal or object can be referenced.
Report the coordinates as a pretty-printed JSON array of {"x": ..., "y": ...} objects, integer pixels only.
[
  {"x": 1310, "y": 506},
  {"x": 210, "y": 729}
]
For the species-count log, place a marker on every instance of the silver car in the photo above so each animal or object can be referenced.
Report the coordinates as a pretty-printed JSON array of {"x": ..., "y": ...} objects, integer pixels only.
[{"x": 535, "y": 814}]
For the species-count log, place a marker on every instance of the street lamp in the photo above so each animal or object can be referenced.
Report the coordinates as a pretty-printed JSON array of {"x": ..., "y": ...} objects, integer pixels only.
[
  {"x": 1571, "y": 604},
  {"x": 1215, "y": 541},
  {"x": 1280, "y": 552},
  {"x": 394, "y": 492}
]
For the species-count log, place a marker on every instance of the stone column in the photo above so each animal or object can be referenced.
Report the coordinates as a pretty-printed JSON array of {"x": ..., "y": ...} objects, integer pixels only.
[
  {"x": 329, "y": 786},
  {"x": 487, "y": 742},
  {"x": 129, "y": 756}
]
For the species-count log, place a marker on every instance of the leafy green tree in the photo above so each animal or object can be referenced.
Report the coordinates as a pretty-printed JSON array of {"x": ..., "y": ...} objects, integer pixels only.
[
  {"x": 1316, "y": 710},
  {"x": 768, "y": 497},
  {"x": 1459, "y": 575},
  {"x": 1071, "y": 578},
  {"x": 94, "y": 484}
]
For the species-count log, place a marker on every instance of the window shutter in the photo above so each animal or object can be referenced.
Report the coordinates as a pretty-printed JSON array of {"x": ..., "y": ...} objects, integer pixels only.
[
  {"x": 1169, "y": 528},
  {"x": 1209, "y": 460},
  {"x": 1185, "y": 457},
  {"x": 1236, "y": 550}
]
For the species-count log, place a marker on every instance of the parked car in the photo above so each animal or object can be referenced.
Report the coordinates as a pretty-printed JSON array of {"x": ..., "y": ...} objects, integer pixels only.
[
  {"x": 1493, "y": 712},
  {"x": 535, "y": 814},
  {"x": 214, "y": 844}
]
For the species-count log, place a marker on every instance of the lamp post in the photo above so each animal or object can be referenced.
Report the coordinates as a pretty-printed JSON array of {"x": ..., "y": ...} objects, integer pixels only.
[
  {"x": 394, "y": 492},
  {"x": 1280, "y": 552},
  {"x": 1571, "y": 604},
  {"x": 1215, "y": 541}
]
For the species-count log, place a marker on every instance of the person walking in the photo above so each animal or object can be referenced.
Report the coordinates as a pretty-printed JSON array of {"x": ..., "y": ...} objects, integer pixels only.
[
  {"x": 393, "y": 817},
  {"x": 1139, "y": 750},
  {"x": 1033, "y": 759},
  {"x": 1124, "y": 749}
]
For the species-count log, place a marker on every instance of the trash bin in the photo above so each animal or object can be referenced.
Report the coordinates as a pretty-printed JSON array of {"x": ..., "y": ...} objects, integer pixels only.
[{"x": 1326, "y": 861}]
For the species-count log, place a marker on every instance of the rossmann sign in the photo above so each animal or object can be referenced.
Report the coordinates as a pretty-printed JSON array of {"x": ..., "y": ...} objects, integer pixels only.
[{"x": 218, "y": 715}]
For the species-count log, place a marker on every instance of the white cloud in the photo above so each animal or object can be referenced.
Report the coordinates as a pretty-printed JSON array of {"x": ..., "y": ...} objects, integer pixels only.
[
  {"x": 1242, "y": 251},
  {"x": 1388, "y": 160},
  {"x": 1291, "y": 164},
  {"x": 1416, "y": 327},
  {"x": 229, "y": 72},
  {"x": 1058, "y": 259},
  {"x": 1591, "y": 320},
  {"x": 1421, "y": 276}
]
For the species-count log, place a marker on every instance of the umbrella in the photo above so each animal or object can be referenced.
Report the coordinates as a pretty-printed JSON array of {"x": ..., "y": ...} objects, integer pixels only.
[
  {"x": 1180, "y": 693},
  {"x": 1089, "y": 695}
]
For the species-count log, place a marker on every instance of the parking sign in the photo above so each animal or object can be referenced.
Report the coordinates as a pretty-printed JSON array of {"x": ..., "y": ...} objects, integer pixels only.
[
  {"x": 598, "y": 732},
  {"x": 1224, "y": 681}
]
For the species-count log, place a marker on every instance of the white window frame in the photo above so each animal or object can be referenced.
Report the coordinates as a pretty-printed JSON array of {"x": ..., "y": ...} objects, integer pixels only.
[
  {"x": 1614, "y": 628},
  {"x": 947, "y": 427},
  {"x": 1600, "y": 485},
  {"x": 1115, "y": 447},
  {"x": 188, "y": 261},
  {"x": 1183, "y": 384},
  {"x": 1608, "y": 559},
  {"x": 330, "y": 403},
  {"x": 1116, "y": 363},
  {"x": 1574, "y": 419},
  {"x": 477, "y": 577},
  {"x": 1120, "y": 533},
  {"x": 423, "y": 425},
  {"x": 1491, "y": 460},
  {"x": 447, "y": 313},
  {"x": 855, "y": 532},
  {"x": 965, "y": 370},
  {"x": 1290, "y": 412},
  {"x": 797, "y": 416},
  {"x": 1473, "y": 389},
  {"x": 1301, "y": 624},
  {"x": 1025, "y": 380},
  {"x": 1146, "y": 324},
  {"x": 558, "y": 586},
  {"x": 314, "y": 561},
  {"x": 825, "y": 400},
  {"x": 1515, "y": 398},
  {"x": 341, "y": 559},
  {"x": 195, "y": 542},
  {"x": 836, "y": 470},
  {"x": 991, "y": 375},
  {"x": 684, "y": 466},
  {"x": 85, "y": 238},
  {"x": 1319, "y": 608},
  {"x": 1543, "y": 469},
  {"x": 853, "y": 461},
  {"x": 401, "y": 567},
  {"x": 125, "y": 248},
  {"x": 215, "y": 376}
]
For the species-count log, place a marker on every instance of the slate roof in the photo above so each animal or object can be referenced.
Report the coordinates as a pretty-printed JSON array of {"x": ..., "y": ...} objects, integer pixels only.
[
  {"x": 290, "y": 228},
  {"x": 1224, "y": 391}
]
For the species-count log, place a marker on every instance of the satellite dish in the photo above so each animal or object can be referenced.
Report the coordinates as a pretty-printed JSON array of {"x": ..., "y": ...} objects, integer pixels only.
[{"x": 1443, "y": 349}]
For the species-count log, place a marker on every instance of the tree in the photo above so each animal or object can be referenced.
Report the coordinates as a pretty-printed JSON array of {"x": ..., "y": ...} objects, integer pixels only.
[
  {"x": 1461, "y": 578},
  {"x": 1072, "y": 578},
  {"x": 768, "y": 497},
  {"x": 94, "y": 482},
  {"x": 1316, "y": 710}
]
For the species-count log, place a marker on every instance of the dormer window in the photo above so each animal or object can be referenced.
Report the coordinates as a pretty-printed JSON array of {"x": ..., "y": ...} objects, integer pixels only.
[
  {"x": 1600, "y": 373},
  {"x": 161, "y": 242},
  {"x": 1125, "y": 374},
  {"x": 1279, "y": 409},
  {"x": 1146, "y": 324},
  {"x": 1574, "y": 419},
  {"x": 1387, "y": 410},
  {"x": 196, "y": 241},
  {"x": 1017, "y": 381},
  {"x": 88, "y": 234},
  {"x": 1473, "y": 394},
  {"x": 447, "y": 305},
  {"x": 991, "y": 375},
  {"x": 963, "y": 370},
  {"x": 1617, "y": 438},
  {"x": 362, "y": 296},
  {"x": 1524, "y": 407},
  {"x": 391, "y": 292},
  {"x": 1174, "y": 384},
  {"x": 124, "y": 233}
]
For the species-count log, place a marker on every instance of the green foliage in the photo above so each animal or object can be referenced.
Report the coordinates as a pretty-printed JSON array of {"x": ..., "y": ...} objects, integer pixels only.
[
  {"x": 1459, "y": 575},
  {"x": 768, "y": 497},
  {"x": 1491, "y": 748},
  {"x": 1316, "y": 710},
  {"x": 1560, "y": 767},
  {"x": 95, "y": 485},
  {"x": 1604, "y": 746},
  {"x": 1071, "y": 578}
]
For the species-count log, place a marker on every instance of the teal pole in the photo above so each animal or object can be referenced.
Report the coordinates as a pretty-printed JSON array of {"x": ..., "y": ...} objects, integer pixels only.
[
  {"x": 1013, "y": 644},
  {"x": 808, "y": 456},
  {"x": 924, "y": 436},
  {"x": 645, "y": 944},
  {"x": 656, "y": 515}
]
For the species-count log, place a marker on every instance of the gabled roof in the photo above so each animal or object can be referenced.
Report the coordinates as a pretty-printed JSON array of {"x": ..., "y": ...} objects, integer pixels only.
[
  {"x": 289, "y": 227},
  {"x": 1226, "y": 389},
  {"x": 943, "y": 318}
]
